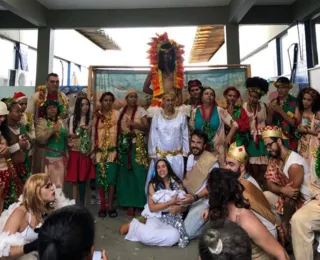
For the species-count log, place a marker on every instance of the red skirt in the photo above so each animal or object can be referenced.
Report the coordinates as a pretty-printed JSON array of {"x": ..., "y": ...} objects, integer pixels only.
[{"x": 79, "y": 168}]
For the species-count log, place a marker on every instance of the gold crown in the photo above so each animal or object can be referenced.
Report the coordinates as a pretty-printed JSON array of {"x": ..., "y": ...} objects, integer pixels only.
[
  {"x": 271, "y": 131},
  {"x": 238, "y": 153},
  {"x": 171, "y": 94}
]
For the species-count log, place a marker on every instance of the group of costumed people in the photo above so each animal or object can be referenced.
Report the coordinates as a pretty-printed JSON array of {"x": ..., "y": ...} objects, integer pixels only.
[{"x": 184, "y": 165}]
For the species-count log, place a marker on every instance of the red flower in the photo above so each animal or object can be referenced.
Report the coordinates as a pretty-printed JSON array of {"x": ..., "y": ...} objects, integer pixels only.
[
  {"x": 240, "y": 149},
  {"x": 292, "y": 104},
  {"x": 284, "y": 123}
]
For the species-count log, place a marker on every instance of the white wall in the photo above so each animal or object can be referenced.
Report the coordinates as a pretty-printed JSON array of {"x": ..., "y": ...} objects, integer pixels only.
[
  {"x": 252, "y": 37},
  {"x": 69, "y": 46}
]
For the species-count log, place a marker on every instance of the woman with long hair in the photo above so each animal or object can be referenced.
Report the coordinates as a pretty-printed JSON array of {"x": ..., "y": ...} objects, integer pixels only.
[
  {"x": 18, "y": 223},
  {"x": 211, "y": 119},
  {"x": 68, "y": 233},
  {"x": 104, "y": 141},
  {"x": 226, "y": 201},
  {"x": 80, "y": 167},
  {"x": 10, "y": 184},
  {"x": 164, "y": 224},
  {"x": 308, "y": 129},
  {"x": 257, "y": 113},
  {"x": 18, "y": 141},
  {"x": 51, "y": 135},
  {"x": 132, "y": 155}
]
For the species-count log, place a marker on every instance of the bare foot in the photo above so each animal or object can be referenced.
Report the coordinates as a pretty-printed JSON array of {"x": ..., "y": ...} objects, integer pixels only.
[{"x": 124, "y": 228}]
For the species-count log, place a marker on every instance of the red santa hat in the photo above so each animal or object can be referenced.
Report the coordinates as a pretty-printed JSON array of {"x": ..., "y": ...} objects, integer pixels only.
[{"x": 19, "y": 96}]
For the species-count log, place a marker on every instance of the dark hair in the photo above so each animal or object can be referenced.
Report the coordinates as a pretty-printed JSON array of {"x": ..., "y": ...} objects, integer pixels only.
[
  {"x": 4, "y": 129},
  {"x": 315, "y": 107},
  {"x": 172, "y": 63},
  {"x": 283, "y": 80},
  {"x": 106, "y": 94},
  {"x": 156, "y": 179},
  {"x": 236, "y": 243},
  {"x": 52, "y": 75},
  {"x": 77, "y": 113},
  {"x": 257, "y": 82},
  {"x": 194, "y": 83},
  {"x": 224, "y": 187},
  {"x": 205, "y": 88},
  {"x": 67, "y": 233},
  {"x": 51, "y": 103},
  {"x": 201, "y": 135}
]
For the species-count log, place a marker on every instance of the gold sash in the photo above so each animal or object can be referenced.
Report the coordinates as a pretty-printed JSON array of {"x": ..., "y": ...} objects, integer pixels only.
[
  {"x": 196, "y": 177},
  {"x": 257, "y": 200}
]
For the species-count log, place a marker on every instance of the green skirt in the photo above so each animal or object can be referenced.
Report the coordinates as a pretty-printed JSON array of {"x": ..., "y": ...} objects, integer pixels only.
[
  {"x": 253, "y": 151},
  {"x": 131, "y": 184}
]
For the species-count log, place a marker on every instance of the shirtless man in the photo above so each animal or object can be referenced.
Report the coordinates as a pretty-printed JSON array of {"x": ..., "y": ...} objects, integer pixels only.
[{"x": 166, "y": 73}]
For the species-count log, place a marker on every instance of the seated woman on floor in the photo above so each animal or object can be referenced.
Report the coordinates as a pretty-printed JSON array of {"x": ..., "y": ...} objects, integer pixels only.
[
  {"x": 164, "y": 224},
  {"x": 18, "y": 223},
  {"x": 226, "y": 201},
  {"x": 224, "y": 240}
]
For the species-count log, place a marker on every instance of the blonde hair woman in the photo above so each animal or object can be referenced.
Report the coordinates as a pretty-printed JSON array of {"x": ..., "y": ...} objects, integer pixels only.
[{"x": 18, "y": 223}]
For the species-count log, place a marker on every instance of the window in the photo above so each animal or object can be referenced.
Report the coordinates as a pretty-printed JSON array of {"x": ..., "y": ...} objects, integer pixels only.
[{"x": 318, "y": 38}]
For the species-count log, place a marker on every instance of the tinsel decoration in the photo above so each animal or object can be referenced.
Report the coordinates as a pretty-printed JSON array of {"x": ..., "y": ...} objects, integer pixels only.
[
  {"x": 317, "y": 163},
  {"x": 51, "y": 124},
  {"x": 123, "y": 146},
  {"x": 176, "y": 221},
  {"x": 14, "y": 189},
  {"x": 102, "y": 175},
  {"x": 84, "y": 140},
  {"x": 141, "y": 152},
  {"x": 29, "y": 122},
  {"x": 206, "y": 128}
]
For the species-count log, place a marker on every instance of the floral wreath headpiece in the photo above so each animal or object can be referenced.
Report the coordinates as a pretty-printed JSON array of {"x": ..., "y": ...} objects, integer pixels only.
[
  {"x": 9, "y": 102},
  {"x": 257, "y": 89},
  {"x": 53, "y": 103},
  {"x": 155, "y": 47},
  {"x": 312, "y": 92}
]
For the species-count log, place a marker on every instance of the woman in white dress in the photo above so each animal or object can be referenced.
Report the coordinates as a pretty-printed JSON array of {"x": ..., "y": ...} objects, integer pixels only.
[
  {"x": 18, "y": 223},
  {"x": 164, "y": 224}
]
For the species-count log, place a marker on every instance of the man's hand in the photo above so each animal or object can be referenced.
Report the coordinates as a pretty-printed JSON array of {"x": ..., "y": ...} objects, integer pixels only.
[
  {"x": 187, "y": 200},
  {"x": 275, "y": 108},
  {"x": 289, "y": 191}
]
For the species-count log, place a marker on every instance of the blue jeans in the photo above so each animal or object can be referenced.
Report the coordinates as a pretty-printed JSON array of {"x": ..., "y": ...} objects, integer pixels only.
[{"x": 194, "y": 224}]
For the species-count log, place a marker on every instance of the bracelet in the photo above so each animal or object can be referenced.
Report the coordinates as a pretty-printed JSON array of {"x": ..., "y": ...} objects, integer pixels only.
[{"x": 196, "y": 197}]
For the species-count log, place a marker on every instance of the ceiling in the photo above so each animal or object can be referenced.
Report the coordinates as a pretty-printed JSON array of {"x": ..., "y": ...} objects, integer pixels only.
[
  {"x": 131, "y": 4},
  {"x": 208, "y": 40},
  {"x": 140, "y": 4}
]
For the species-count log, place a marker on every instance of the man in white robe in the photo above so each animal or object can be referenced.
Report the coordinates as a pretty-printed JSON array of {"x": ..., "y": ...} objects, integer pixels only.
[{"x": 168, "y": 137}]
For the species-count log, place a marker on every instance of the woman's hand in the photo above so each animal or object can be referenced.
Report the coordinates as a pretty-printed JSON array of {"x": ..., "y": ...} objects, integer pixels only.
[
  {"x": 4, "y": 150},
  {"x": 174, "y": 201},
  {"x": 104, "y": 255},
  {"x": 205, "y": 214}
]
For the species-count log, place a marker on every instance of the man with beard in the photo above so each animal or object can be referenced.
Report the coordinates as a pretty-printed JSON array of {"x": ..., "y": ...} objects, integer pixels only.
[
  {"x": 286, "y": 178},
  {"x": 199, "y": 165},
  {"x": 238, "y": 114},
  {"x": 166, "y": 73},
  {"x": 168, "y": 137},
  {"x": 236, "y": 160}
]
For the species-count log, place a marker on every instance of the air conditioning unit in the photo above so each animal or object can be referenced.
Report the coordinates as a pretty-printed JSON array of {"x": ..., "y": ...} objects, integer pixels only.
[{"x": 18, "y": 78}]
